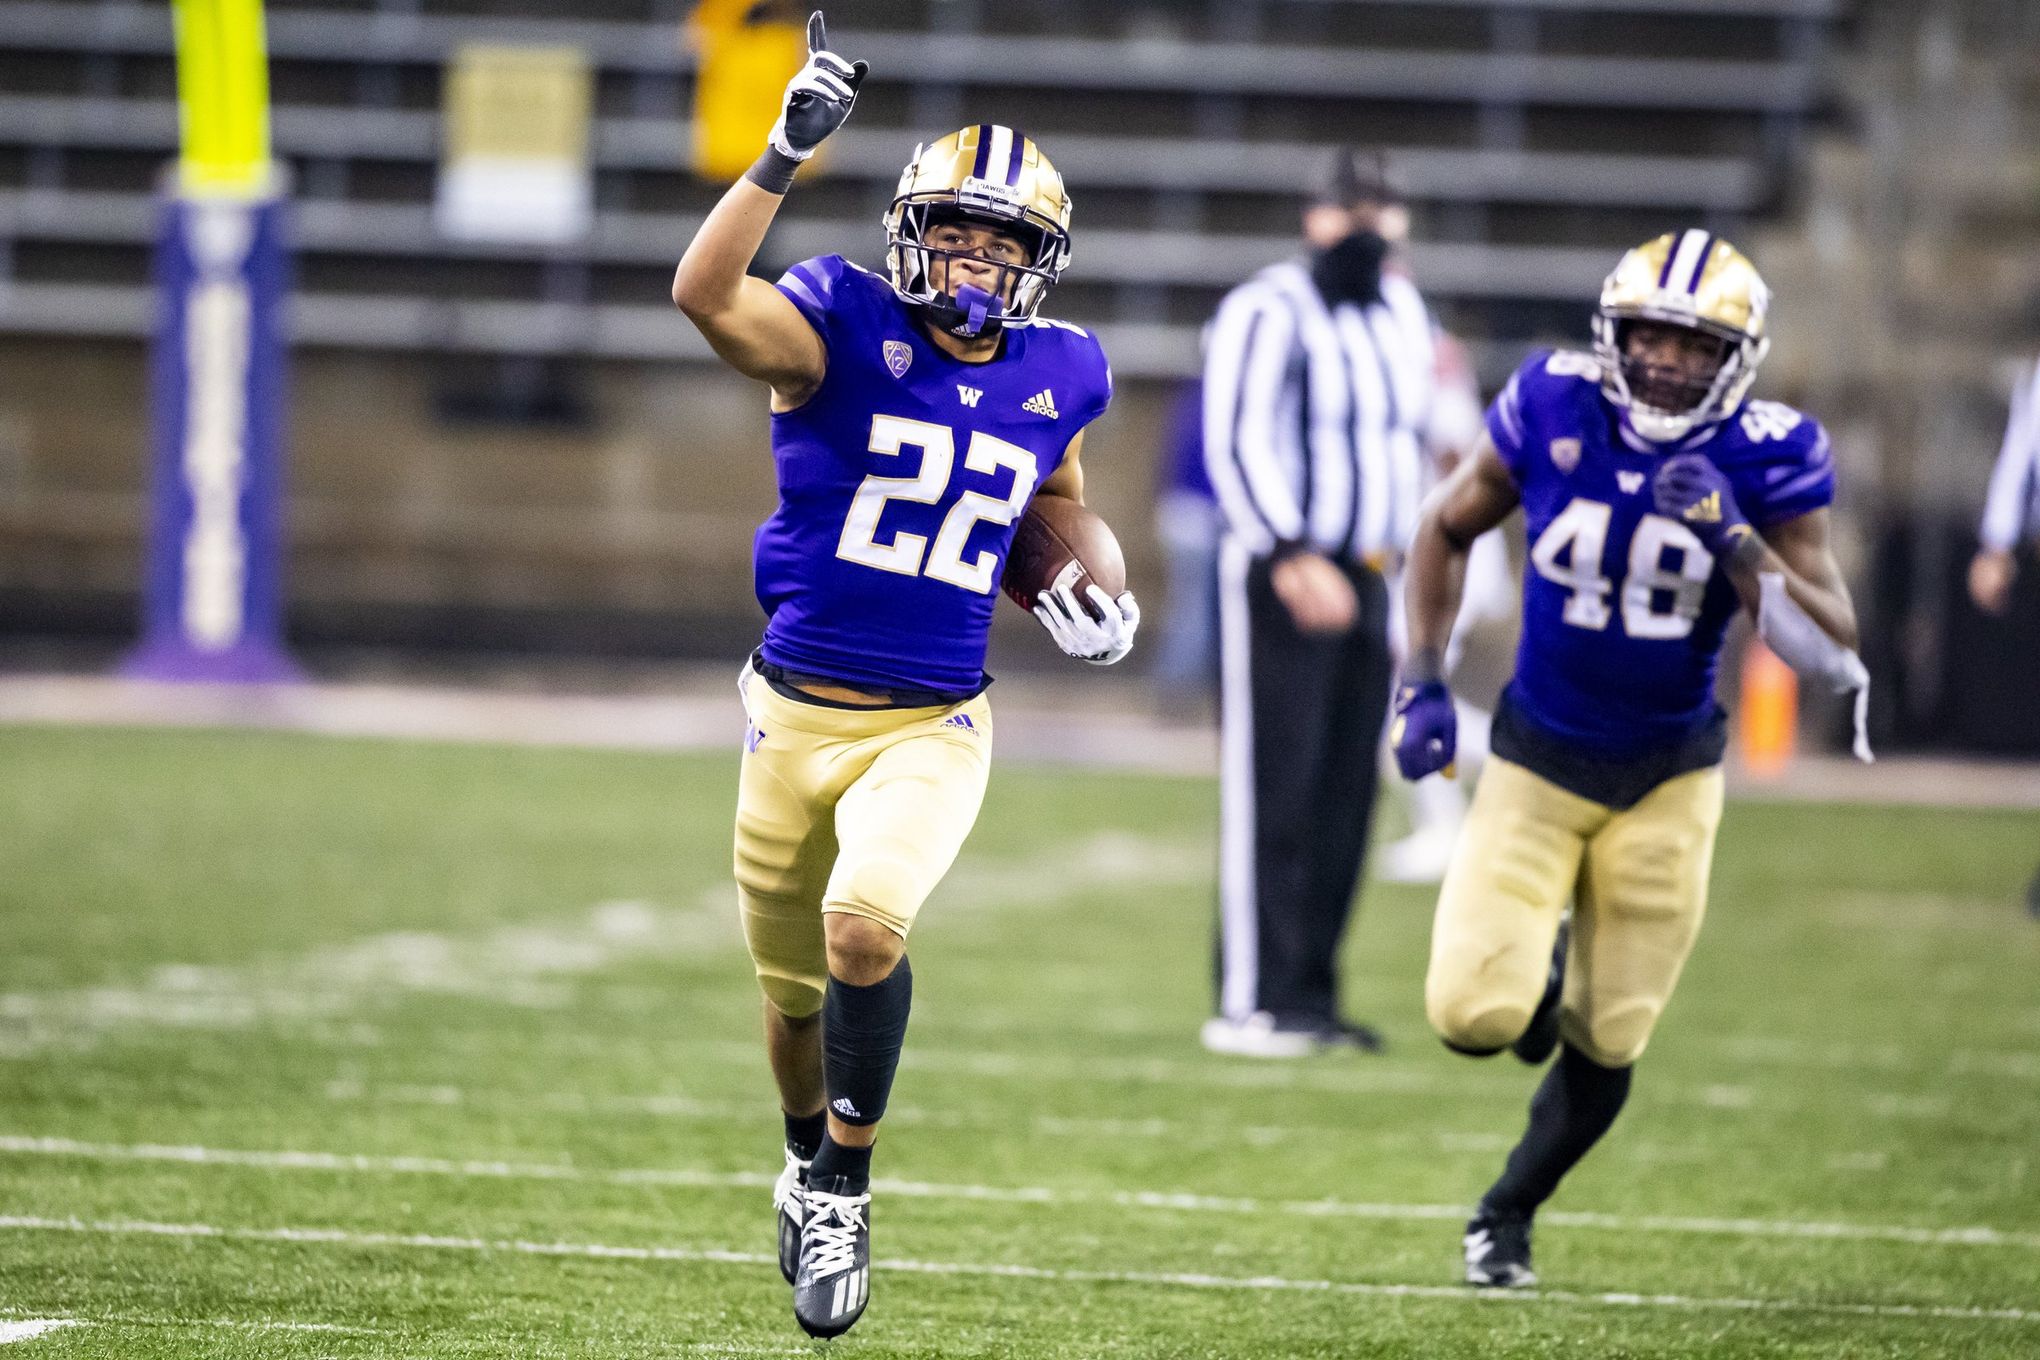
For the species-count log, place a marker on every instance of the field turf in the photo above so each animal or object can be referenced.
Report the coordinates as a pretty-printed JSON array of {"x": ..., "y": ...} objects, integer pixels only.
[{"x": 314, "y": 1047}]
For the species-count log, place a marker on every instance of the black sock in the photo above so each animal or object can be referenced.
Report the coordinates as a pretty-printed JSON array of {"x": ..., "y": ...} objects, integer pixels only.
[
  {"x": 852, "y": 1164},
  {"x": 804, "y": 1133},
  {"x": 862, "y": 1030},
  {"x": 1573, "y": 1107}
]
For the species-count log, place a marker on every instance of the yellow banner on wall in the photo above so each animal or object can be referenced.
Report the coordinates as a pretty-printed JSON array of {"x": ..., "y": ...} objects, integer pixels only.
[
  {"x": 742, "y": 65},
  {"x": 222, "y": 97}
]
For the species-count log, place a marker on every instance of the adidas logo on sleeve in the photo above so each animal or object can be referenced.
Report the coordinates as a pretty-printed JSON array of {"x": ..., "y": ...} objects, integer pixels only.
[{"x": 1042, "y": 403}]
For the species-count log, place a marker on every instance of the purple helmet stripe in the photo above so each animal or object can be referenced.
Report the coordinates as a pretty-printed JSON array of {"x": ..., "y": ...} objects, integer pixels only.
[
  {"x": 1018, "y": 157},
  {"x": 984, "y": 150},
  {"x": 1664, "y": 278}
]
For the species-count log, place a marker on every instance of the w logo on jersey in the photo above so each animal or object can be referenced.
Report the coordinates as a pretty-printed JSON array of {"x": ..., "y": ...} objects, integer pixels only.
[
  {"x": 968, "y": 395},
  {"x": 1630, "y": 482},
  {"x": 1042, "y": 403}
]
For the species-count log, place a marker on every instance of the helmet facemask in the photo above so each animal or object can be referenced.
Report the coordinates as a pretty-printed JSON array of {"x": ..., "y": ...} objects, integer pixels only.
[
  {"x": 967, "y": 310},
  {"x": 1663, "y": 405}
]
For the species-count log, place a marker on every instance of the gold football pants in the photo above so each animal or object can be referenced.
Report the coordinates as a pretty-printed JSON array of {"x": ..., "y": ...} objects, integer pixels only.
[
  {"x": 1638, "y": 882},
  {"x": 850, "y": 810}
]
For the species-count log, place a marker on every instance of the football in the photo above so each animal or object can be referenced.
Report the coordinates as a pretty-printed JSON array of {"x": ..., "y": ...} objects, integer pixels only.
[{"x": 1054, "y": 533}]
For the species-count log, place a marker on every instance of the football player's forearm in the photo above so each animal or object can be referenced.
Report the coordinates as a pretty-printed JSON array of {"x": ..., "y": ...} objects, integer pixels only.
[
  {"x": 1436, "y": 583},
  {"x": 712, "y": 271},
  {"x": 1827, "y": 604}
]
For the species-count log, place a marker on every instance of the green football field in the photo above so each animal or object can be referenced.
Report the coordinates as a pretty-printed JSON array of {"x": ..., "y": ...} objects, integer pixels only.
[{"x": 313, "y": 1047}]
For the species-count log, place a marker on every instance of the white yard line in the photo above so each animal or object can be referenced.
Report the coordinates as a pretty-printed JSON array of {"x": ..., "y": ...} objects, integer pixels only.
[
  {"x": 1168, "y": 1201},
  {"x": 29, "y": 1329},
  {"x": 1258, "y": 1284},
  {"x": 155, "y": 1320}
]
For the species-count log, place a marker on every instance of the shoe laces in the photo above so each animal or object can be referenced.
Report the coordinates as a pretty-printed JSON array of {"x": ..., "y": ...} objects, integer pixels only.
[
  {"x": 834, "y": 1224},
  {"x": 791, "y": 1187}
]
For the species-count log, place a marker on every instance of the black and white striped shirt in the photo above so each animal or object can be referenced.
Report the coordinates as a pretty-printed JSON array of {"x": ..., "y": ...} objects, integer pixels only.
[
  {"x": 1314, "y": 415},
  {"x": 2011, "y": 511}
]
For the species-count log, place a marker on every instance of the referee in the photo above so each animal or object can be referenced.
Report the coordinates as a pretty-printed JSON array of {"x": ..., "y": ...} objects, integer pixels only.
[
  {"x": 1317, "y": 385},
  {"x": 2011, "y": 514}
]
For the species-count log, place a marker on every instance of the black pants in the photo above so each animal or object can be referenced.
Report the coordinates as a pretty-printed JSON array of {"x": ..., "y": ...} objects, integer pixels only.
[{"x": 1300, "y": 721}]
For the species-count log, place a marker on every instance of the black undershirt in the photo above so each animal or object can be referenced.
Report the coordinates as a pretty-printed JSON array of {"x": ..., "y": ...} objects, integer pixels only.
[
  {"x": 786, "y": 683},
  {"x": 1616, "y": 782}
]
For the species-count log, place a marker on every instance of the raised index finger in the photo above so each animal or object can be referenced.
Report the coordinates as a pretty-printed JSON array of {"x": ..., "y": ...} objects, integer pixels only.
[{"x": 817, "y": 34}]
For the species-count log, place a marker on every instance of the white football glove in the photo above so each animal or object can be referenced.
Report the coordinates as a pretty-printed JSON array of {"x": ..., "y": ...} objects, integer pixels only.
[
  {"x": 1101, "y": 638},
  {"x": 818, "y": 98}
]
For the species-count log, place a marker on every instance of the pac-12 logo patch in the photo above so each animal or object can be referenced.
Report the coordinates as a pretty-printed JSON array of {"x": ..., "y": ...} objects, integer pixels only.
[
  {"x": 898, "y": 355},
  {"x": 1565, "y": 454}
]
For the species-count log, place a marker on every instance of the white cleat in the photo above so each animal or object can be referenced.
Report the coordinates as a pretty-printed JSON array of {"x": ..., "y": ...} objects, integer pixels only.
[
  {"x": 789, "y": 1204},
  {"x": 1257, "y": 1036}
]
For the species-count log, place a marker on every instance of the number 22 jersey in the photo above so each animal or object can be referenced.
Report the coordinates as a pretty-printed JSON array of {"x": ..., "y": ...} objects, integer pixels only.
[
  {"x": 900, "y": 481},
  {"x": 1623, "y": 610}
]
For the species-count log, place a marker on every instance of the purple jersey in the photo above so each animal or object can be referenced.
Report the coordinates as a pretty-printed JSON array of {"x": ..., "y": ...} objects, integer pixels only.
[
  {"x": 899, "y": 483},
  {"x": 1623, "y": 610}
]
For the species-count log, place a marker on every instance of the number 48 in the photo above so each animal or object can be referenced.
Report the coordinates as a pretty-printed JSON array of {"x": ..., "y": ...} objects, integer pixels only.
[{"x": 1580, "y": 536}]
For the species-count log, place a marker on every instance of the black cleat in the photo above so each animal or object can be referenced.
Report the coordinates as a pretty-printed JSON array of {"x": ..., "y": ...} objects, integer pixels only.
[
  {"x": 1337, "y": 1033},
  {"x": 789, "y": 1205},
  {"x": 1540, "y": 1036},
  {"x": 833, "y": 1281},
  {"x": 1498, "y": 1252}
]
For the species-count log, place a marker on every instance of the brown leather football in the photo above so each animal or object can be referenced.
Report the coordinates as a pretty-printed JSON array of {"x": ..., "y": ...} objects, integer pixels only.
[{"x": 1055, "y": 532}]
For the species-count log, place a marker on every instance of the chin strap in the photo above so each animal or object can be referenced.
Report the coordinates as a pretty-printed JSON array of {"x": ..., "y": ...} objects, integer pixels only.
[{"x": 1805, "y": 646}]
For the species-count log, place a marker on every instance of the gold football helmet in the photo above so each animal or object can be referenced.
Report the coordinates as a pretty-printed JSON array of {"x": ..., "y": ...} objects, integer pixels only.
[
  {"x": 1696, "y": 280},
  {"x": 996, "y": 177}
]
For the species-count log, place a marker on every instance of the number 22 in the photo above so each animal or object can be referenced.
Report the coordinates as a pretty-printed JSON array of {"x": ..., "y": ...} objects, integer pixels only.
[{"x": 909, "y": 554}]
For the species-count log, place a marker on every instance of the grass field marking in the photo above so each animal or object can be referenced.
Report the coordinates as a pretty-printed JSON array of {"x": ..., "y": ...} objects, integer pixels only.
[
  {"x": 1165, "y": 1200},
  {"x": 1258, "y": 1283},
  {"x": 28, "y": 1329},
  {"x": 156, "y": 1320},
  {"x": 444, "y": 1096},
  {"x": 532, "y": 964}
]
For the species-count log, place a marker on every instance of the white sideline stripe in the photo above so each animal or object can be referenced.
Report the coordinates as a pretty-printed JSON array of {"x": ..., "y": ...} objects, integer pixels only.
[
  {"x": 1025, "y": 1194},
  {"x": 1259, "y": 1283},
  {"x": 31, "y": 1328}
]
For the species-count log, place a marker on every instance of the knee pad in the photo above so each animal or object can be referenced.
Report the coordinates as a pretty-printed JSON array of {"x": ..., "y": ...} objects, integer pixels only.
[
  {"x": 1614, "y": 1038},
  {"x": 886, "y": 884},
  {"x": 1478, "y": 1025}
]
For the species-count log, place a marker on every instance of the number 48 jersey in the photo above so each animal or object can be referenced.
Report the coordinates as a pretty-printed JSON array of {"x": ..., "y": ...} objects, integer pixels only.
[
  {"x": 900, "y": 480},
  {"x": 1623, "y": 610}
]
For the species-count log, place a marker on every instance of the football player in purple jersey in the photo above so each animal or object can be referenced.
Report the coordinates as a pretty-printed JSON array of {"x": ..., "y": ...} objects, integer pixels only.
[
  {"x": 1658, "y": 501},
  {"x": 914, "y": 416}
]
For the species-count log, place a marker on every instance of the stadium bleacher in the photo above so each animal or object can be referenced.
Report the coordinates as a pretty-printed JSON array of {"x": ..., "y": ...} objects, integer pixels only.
[
  {"x": 1539, "y": 138},
  {"x": 1183, "y": 149}
]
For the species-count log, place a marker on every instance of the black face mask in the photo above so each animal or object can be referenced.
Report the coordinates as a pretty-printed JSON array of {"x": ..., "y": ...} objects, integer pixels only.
[{"x": 1350, "y": 269}]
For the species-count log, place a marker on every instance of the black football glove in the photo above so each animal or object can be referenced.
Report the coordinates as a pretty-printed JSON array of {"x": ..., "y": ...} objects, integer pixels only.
[{"x": 818, "y": 98}]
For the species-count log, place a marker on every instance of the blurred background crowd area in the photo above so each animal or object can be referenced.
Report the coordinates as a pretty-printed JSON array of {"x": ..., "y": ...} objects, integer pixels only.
[{"x": 503, "y": 446}]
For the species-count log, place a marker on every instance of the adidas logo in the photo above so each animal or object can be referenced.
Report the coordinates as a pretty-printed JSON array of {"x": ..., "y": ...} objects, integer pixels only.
[
  {"x": 960, "y": 720},
  {"x": 1706, "y": 510},
  {"x": 842, "y": 1105},
  {"x": 1042, "y": 403}
]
